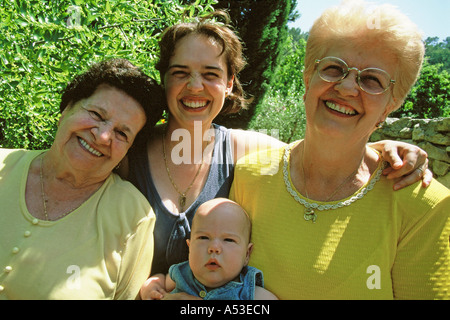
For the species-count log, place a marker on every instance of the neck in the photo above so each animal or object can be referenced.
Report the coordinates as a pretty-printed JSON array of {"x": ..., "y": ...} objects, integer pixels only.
[
  {"x": 328, "y": 158},
  {"x": 56, "y": 173},
  {"x": 327, "y": 170},
  {"x": 59, "y": 194}
]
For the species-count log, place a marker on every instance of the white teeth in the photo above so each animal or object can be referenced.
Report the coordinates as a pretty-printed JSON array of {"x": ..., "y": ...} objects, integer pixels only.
[
  {"x": 195, "y": 104},
  {"x": 89, "y": 148},
  {"x": 340, "y": 109}
]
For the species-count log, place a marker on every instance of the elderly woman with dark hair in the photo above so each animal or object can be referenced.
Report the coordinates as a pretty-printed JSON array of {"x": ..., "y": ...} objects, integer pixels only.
[
  {"x": 69, "y": 227},
  {"x": 328, "y": 225}
]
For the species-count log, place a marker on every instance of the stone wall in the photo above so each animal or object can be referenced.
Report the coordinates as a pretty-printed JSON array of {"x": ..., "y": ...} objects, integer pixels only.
[{"x": 432, "y": 135}]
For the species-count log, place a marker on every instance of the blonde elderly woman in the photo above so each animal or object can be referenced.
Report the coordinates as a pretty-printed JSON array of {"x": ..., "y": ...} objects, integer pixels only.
[
  {"x": 69, "y": 227},
  {"x": 325, "y": 220}
]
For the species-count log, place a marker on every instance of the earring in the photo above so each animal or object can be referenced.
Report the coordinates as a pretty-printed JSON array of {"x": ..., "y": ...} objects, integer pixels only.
[{"x": 379, "y": 125}]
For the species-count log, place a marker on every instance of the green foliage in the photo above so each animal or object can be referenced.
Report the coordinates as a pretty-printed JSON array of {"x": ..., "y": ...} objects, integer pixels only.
[
  {"x": 262, "y": 26},
  {"x": 430, "y": 96},
  {"x": 282, "y": 108},
  {"x": 281, "y": 116},
  {"x": 438, "y": 52},
  {"x": 289, "y": 73},
  {"x": 45, "y": 43}
]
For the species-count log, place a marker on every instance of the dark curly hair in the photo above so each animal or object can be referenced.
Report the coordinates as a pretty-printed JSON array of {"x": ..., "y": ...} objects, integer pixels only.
[{"x": 123, "y": 75}]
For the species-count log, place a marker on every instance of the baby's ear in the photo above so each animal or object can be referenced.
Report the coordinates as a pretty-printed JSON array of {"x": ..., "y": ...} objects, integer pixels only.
[
  {"x": 249, "y": 252},
  {"x": 188, "y": 244}
]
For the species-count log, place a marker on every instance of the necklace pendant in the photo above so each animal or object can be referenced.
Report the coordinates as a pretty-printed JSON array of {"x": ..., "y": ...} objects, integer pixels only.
[
  {"x": 182, "y": 201},
  {"x": 310, "y": 215}
]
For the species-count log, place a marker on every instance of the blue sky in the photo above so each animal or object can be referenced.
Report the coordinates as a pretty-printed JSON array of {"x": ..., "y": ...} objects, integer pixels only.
[{"x": 432, "y": 16}]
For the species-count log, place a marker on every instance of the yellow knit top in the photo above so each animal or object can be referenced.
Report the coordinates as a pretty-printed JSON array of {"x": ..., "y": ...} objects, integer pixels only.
[
  {"x": 386, "y": 245},
  {"x": 101, "y": 250}
]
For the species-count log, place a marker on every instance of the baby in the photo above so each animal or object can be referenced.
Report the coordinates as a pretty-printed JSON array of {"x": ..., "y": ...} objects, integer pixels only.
[{"x": 219, "y": 251}]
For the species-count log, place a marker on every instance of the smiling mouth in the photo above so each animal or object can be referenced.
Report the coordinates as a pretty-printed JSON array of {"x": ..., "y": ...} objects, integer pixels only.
[
  {"x": 88, "y": 148},
  {"x": 195, "y": 104},
  {"x": 341, "y": 109}
]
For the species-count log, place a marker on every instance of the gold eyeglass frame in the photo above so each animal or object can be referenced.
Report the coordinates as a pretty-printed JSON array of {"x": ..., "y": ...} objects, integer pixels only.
[{"x": 358, "y": 79}]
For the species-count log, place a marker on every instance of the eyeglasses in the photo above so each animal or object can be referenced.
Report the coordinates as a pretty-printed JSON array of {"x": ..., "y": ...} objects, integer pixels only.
[{"x": 370, "y": 80}]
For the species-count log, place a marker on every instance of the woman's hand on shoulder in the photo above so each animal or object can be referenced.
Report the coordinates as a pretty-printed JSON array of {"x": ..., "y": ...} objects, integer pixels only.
[{"x": 408, "y": 163}]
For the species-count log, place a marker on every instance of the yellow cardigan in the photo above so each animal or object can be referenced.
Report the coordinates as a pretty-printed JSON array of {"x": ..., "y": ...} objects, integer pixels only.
[
  {"x": 386, "y": 245},
  {"x": 102, "y": 250}
]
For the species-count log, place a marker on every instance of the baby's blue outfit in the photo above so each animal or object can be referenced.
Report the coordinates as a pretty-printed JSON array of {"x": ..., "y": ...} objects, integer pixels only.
[{"x": 185, "y": 281}]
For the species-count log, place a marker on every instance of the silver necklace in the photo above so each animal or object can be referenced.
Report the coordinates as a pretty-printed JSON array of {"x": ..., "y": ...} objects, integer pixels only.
[{"x": 310, "y": 207}]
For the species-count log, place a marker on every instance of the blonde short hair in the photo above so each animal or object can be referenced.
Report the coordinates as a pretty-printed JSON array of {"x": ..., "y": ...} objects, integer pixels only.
[{"x": 360, "y": 23}]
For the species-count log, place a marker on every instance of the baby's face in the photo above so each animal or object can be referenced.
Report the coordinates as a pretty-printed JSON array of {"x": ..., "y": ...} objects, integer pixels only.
[{"x": 219, "y": 246}]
